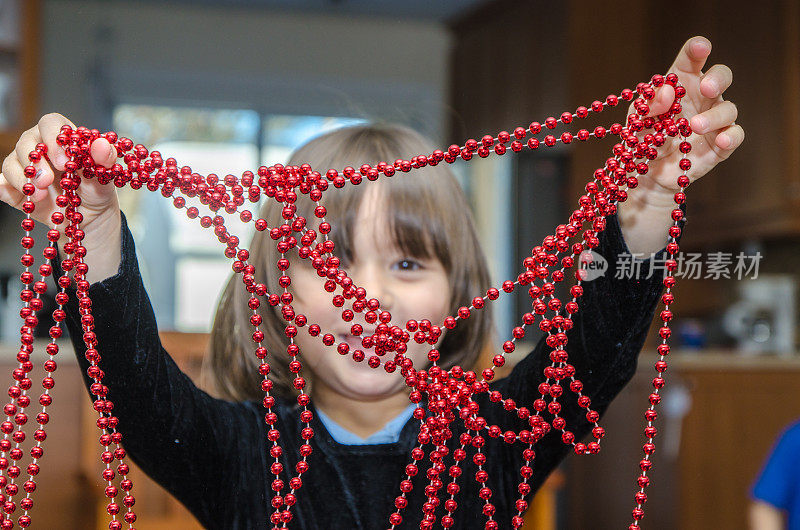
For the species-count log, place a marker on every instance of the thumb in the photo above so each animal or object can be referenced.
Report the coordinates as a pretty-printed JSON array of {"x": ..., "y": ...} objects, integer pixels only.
[
  {"x": 103, "y": 152},
  {"x": 665, "y": 95}
]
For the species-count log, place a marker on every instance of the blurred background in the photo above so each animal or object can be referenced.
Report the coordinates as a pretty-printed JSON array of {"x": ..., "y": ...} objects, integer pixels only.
[{"x": 228, "y": 85}]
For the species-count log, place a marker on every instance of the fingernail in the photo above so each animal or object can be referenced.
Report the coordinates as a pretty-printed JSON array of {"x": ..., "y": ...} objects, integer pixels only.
[
  {"x": 713, "y": 87},
  {"x": 700, "y": 123},
  {"x": 37, "y": 179},
  {"x": 61, "y": 159},
  {"x": 725, "y": 141}
]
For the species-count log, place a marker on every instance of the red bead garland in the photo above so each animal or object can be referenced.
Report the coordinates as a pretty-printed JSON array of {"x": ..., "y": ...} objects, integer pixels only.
[{"x": 448, "y": 393}]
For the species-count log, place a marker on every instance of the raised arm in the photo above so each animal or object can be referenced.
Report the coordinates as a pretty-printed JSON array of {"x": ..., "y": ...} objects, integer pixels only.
[
  {"x": 609, "y": 330},
  {"x": 186, "y": 440},
  {"x": 178, "y": 434},
  {"x": 99, "y": 204}
]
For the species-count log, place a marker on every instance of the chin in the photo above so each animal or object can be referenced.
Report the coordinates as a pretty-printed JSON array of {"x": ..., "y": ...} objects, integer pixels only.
[{"x": 375, "y": 383}]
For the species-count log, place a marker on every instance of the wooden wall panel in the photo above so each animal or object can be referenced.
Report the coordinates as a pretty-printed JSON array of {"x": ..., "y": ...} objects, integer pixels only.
[{"x": 738, "y": 409}]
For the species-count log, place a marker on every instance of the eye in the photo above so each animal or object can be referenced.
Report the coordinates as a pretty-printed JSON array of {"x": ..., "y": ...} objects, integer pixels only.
[{"x": 407, "y": 264}]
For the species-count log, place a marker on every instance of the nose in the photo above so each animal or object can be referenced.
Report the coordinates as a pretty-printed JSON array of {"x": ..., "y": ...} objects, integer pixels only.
[{"x": 376, "y": 282}]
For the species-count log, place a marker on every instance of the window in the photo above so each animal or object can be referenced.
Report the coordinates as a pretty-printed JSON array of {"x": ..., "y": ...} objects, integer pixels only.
[{"x": 182, "y": 263}]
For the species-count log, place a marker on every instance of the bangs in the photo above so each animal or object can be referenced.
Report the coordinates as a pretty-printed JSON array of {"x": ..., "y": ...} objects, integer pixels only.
[{"x": 418, "y": 226}]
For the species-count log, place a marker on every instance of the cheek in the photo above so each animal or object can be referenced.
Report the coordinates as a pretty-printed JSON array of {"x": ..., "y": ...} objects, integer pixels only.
[
  {"x": 309, "y": 296},
  {"x": 434, "y": 300},
  {"x": 430, "y": 301},
  {"x": 311, "y": 350},
  {"x": 445, "y": 297}
]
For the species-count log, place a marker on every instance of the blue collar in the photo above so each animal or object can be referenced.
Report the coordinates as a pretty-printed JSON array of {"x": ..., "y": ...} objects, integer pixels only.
[{"x": 390, "y": 433}]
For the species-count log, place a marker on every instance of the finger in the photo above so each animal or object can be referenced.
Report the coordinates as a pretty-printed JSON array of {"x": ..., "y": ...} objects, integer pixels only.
[
  {"x": 103, "y": 152},
  {"x": 49, "y": 128},
  {"x": 721, "y": 115},
  {"x": 9, "y": 194},
  {"x": 15, "y": 176},
  {"x": 729, "y": 139},
  {"x": 692, "y": 56},
  {"x": 665, "y": 96},
  {"x": 27, "y": 144},
  {"x": 15, "y": 198},
  {"x": 716, "y": 81}
]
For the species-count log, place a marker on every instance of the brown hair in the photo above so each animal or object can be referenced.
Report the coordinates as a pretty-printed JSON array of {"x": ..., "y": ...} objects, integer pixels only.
[{"x": 428, "y": 215}]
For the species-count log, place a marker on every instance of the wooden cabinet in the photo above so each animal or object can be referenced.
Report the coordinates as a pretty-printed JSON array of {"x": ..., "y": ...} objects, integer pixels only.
[
  {"x": 61, "y": 494},
  {"x": 19, "y": 69},
  {"x": 757, "y": 193},
  {"x": 705, "y": 461},
  {"x": 520, "y": 61}
]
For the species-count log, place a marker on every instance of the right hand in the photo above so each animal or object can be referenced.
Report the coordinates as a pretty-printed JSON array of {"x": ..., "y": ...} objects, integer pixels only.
[
  {"x": 99, "y": 204},
  {"x": 96, "y": 199}
]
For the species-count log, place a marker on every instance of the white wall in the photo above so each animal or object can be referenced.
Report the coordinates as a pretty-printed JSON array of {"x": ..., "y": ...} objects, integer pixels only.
[{"x": 96, "y": 53}]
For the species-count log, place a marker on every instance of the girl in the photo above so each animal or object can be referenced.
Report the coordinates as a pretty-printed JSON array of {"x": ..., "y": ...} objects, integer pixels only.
[{"x": 410, "y": 242}]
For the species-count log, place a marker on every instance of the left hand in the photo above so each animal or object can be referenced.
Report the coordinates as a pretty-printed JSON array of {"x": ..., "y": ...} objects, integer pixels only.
[{"x": 713, "y": 120}]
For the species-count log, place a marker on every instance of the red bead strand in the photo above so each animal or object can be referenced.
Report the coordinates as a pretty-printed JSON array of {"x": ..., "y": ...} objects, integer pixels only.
[
  {"x": 76, "y": 144},
  {"x": 448, "y": 392},
  {"x": 18, "y": 392}
]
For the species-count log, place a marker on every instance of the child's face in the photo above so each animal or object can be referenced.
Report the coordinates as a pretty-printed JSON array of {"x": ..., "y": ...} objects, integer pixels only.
[{"x": 408, "y": 287}]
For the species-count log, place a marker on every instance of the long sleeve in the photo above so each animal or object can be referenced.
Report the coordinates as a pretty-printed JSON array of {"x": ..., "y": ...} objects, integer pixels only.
[
  {"x": 180, "y": 436},
  {"x": 608, "y": 334}
]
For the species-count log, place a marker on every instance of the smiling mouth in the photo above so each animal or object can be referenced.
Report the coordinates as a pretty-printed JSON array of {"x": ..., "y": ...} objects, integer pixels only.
[{"x": 351, "y": 340}]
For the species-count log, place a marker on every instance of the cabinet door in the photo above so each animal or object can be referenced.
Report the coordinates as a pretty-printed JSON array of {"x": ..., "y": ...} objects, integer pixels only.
[
  {"x": 19, "y": 69},
  {"x": 757, "y": 192},
  {"x": 735, "y": 418}
]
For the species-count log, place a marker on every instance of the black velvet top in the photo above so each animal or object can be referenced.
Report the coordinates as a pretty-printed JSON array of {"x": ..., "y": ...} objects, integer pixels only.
[{"x": 212, "y": 454}]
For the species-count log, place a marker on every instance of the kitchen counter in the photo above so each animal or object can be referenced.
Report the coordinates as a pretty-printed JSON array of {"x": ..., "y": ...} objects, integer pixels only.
[{"x": 720, "y": 358}]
